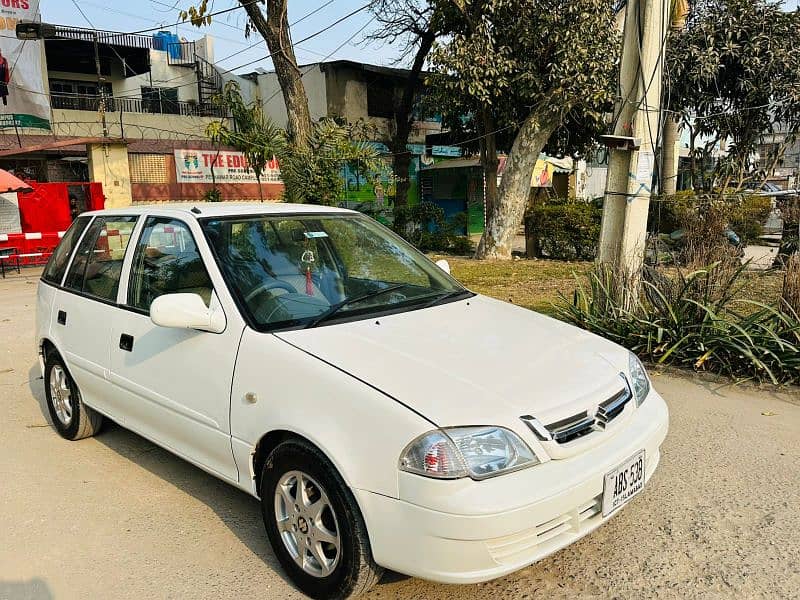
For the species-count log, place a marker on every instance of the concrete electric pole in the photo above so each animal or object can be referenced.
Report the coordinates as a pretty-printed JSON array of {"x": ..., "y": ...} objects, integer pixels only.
[
  {"x": 632, "y": 148},
  {"x": 672, "y": 129}
]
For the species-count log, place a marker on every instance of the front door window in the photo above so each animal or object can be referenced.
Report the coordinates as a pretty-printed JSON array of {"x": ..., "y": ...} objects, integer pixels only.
[{"x": 166, "y": 262}]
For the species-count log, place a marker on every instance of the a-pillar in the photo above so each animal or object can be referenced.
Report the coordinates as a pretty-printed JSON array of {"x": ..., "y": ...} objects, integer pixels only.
[{"x": 108, "y": 164}]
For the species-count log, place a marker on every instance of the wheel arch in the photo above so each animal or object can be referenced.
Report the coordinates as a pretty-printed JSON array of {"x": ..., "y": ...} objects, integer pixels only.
[
  {"x": 46, "y": 346},
  {"x": 270, "y": 440}
]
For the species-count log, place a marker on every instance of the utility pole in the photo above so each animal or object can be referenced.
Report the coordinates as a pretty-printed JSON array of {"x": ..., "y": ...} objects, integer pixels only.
[
  {"x": 672, "y": 130},
  {"x": 623, "y": 233},
  {"x": 101, "y": 96}
]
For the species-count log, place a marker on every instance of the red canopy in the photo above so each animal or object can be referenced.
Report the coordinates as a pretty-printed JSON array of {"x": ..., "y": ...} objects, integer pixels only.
[{"x": 9, "y": 183}]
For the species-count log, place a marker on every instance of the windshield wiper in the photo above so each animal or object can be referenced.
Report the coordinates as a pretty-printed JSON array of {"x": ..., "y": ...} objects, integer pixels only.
[
  {"x": 441, "y": 297},
  {"x": 335, "y": 308}
]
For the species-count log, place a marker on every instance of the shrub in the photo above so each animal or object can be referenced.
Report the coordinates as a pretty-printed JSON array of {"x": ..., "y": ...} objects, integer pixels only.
[
  {"x": 212, "y": 195},
  {"x": 565, "y": 230},
  {"x": 425, "y": 226},
  {"x": 691, "y": 319},
  {"x": 745, "y": 215}
]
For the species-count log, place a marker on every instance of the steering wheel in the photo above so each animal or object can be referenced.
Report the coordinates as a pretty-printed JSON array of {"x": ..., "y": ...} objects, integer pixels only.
[{"x": 270, "y": 285}]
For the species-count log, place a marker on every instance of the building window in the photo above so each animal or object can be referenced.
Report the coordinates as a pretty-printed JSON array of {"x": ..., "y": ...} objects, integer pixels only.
[
  {"x": 79, "y": 95},
  {"x": 148, "y": 168},
  {"x": 160, "y": 100},
  {"x": 380, "y": 100}
]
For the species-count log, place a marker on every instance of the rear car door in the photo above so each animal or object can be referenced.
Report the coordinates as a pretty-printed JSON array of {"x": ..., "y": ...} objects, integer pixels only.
[
  {"x": 176, "y": 383},
  {"x": 84, "y": 307}
]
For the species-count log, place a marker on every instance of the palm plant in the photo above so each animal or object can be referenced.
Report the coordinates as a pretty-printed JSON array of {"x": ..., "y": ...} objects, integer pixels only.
[
  {"x": 313, "y": 173},
  {"x": 255, "y": 135}
]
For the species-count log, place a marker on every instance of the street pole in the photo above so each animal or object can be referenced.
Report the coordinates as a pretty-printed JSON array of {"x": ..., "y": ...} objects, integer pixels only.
[
  {"x": 100, "y": 92},
  {"x": 672, "y": 128},
  {"x": 623, "y": 232}
]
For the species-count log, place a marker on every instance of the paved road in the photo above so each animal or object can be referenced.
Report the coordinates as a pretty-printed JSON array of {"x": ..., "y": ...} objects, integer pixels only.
[{"x": 117, "y": 517}]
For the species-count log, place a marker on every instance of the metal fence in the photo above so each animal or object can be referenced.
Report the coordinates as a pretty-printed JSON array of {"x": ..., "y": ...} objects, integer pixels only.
[{"x": 156, "y": 106}]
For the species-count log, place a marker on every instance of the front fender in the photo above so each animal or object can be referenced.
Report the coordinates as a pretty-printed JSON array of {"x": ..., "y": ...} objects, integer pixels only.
[{"x": 359, "y": 428}]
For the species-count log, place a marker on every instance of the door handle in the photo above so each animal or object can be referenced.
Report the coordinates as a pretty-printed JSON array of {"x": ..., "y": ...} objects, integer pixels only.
[
  {"x": 62, "y": 317},
  {"x": 126, "y": 342}
]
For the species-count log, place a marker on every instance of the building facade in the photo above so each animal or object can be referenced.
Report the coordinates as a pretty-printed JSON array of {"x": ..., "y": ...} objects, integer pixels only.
[{"x": 129, "y": 111}]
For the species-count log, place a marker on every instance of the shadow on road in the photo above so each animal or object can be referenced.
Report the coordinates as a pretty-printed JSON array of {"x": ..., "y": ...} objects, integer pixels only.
[
  {"x": 35, "y": 589},
  {"x": 240, "y": 512}
]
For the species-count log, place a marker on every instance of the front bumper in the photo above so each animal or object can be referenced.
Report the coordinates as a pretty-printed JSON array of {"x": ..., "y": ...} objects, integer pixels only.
[{"x": 468, "y": 531}]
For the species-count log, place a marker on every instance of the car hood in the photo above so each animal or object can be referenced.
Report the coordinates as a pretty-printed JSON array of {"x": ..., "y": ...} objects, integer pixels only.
[{"x": 473, "y": 362}]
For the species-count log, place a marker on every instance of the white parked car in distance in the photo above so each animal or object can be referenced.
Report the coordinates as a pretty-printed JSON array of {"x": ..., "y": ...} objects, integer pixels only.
[{"x": 384, "y": 415}]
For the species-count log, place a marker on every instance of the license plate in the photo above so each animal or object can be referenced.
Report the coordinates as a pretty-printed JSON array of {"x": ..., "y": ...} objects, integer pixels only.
[{"x": 623, "y": 483}]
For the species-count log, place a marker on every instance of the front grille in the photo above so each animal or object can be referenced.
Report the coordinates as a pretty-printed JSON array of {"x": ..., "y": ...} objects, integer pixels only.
[
  {"x": 571, "y": 428},
  {"x": 584, "y": 423},
  {"x": 547, "y": 536}
]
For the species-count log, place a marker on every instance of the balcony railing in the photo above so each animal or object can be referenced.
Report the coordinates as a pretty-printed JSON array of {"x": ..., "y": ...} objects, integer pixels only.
[
  {"x": 181, "y": 54},
  {"x": 137, "y": 105},
  {"x": 129, "y": 40}
]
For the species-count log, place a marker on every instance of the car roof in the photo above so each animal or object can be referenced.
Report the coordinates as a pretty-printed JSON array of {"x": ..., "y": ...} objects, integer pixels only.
[{"x": 199, "y": 210}]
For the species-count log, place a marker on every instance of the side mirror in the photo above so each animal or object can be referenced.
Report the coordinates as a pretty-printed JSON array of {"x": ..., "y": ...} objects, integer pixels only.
[
  {"x": 443, "y": 265},
  {"x": 187, "y": 311}
]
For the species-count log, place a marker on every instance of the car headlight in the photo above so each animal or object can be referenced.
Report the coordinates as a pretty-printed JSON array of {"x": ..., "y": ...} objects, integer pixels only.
[
  {"x": 639, "y": 379},
  {"x": 456, "y": 452}
]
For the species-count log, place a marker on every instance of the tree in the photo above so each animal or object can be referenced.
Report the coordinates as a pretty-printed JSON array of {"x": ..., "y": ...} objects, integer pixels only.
[
  {"x": 555, "y": 60},
  {"x": 274, "y": 28},
  {"x": 313, "y": 173},
  {"x": 256, "y": 136},
  {"x": 411, "y": 23},
  {"x": 733, "y": 76}
]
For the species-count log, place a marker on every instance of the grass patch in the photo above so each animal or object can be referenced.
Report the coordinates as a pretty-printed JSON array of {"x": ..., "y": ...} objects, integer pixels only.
[
  {"x": 537, "y": 284},
  {"x": 533, "y": 284}
]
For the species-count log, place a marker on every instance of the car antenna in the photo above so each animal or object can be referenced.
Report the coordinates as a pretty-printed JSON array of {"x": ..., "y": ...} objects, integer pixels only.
[{"x": 195, "y": 210}]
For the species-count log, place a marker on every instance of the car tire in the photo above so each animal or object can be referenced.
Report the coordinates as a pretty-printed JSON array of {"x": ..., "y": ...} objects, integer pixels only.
[
  {"x": 341, "y": 571},
  {"x": 70, "y": 416}
]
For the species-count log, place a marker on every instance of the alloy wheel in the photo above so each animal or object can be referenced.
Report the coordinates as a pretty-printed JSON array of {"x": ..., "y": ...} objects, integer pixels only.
[
  {"x": 61, "y": 394},
  {"x": 307, "y": 524}
]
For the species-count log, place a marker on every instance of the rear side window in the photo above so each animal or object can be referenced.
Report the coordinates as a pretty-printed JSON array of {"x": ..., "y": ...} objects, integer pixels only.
[
  {"x": 166, "y": 262},
  {"x": 57, "y": 265},
  {"x": 97, "y": 265}
]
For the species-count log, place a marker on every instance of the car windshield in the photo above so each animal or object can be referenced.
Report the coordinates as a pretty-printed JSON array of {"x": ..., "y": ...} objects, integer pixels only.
[{"x": 302, "y": 271}]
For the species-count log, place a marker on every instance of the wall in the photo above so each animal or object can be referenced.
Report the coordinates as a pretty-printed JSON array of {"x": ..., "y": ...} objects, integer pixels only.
[
  {"x": 347, "y": 90},
  {"x": 164, "y": 187},
  {"x": 9, "y": 214},
  {"x": 161, "y": 75},
  {"x": 108, "y": 164},
  {"x": 272, "y": 98},
  {"x": 84, "y": 123}
]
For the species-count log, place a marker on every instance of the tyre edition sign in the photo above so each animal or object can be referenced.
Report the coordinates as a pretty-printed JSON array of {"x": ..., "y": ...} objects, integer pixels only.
[{"x": 210, "y": 166}]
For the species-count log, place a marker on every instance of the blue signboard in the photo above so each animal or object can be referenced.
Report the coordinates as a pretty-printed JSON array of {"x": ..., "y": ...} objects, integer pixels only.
[{"x": 453, "y": 151}]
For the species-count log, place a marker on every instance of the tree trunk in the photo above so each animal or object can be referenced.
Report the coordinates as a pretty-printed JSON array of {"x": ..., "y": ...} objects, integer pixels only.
[
  {"x": 401, "y": 163},
  {"x": 404, "y": 118},
  {"x": 515, "y": 188},
  {"x": 489, "y": 162},
  {"x": 275, "y": 30}
]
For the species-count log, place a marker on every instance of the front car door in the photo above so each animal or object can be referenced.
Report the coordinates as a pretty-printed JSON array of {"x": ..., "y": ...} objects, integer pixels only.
[{"x": 175, "y": 383}]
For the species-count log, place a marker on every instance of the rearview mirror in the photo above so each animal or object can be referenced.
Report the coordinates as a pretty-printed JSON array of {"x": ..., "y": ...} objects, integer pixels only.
[
  {"x": 187, "y": 311},
  {"x": 443, "y": 265}
]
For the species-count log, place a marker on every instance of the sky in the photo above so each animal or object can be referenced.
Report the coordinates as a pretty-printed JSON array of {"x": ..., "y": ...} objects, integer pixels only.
[{"x": 228, "y": 30}]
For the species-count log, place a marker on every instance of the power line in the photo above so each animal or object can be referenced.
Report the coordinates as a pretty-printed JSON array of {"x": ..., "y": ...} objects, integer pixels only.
[
  {"x": 313, "y": 35},
  {"x": 259, "y": 42},
  {"x": 305, "y": 39},
  {"x": 211, "y": 14}
]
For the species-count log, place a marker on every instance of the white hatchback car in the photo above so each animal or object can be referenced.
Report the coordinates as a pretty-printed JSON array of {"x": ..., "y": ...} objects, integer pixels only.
[{"x": 384, "y": 415}]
